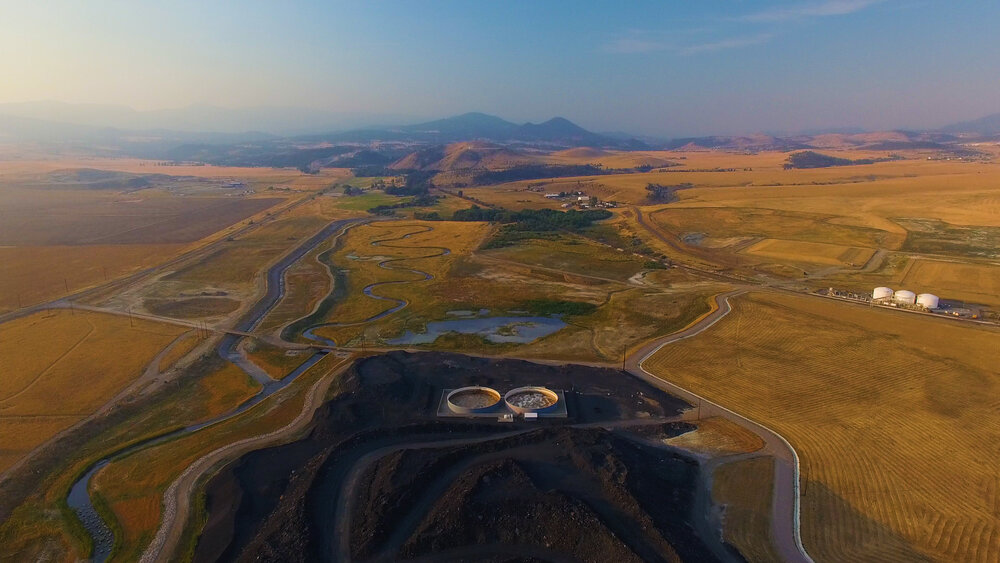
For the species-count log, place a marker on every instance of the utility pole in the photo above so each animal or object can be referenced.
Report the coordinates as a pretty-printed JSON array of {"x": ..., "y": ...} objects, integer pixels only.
[
  {"x": 623, "y": 357},
  {"x": 66, "y": 285}
]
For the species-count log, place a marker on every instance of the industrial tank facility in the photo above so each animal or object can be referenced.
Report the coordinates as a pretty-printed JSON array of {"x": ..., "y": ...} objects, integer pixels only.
[
  {"x": 473, "y": 399},
  {"x": 530, "y": 399},
  {"x": 881, "y": 293},
  {"x": 928, "y": 300},
  {"x": 904, "y": 296}
]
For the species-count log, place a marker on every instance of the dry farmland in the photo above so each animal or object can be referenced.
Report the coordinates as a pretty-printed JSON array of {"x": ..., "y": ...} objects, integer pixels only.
[
  {"x": 894, "y": 416},
  {"x": 816, "y": 252},
  {"x": 977, "y": 283},
  {"x": 81, "y": 217},
  {"x": 58, "y": 369},
  {"x": 33, "y": 274},
  {"x": 736, "y": 223},
  {"x": 744, "y": 488}
]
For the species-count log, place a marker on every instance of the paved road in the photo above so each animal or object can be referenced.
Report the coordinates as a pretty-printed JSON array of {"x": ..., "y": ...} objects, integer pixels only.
[{"x": 785, "y": 502}]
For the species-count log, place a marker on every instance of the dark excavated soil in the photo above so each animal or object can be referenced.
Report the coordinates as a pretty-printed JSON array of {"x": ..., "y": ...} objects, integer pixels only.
[{"x": 422, "y": 488}]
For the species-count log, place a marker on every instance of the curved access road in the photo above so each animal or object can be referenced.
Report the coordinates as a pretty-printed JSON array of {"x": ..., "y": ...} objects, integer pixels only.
[{"x": 785, "y": 500}]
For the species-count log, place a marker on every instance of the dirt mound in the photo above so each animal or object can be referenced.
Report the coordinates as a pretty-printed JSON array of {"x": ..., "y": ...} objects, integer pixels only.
[{"x": 380, "y": 477}]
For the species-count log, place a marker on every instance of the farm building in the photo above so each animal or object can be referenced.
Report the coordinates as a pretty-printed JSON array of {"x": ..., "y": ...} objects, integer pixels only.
[{"x": 904, "y": 296}]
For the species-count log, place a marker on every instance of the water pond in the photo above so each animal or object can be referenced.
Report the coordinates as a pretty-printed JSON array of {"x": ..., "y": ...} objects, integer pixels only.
[{"x": 519, "y": 330}]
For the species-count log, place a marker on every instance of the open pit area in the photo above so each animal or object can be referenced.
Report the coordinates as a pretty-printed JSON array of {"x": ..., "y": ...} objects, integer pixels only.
[{"x": 379, "y": 476}]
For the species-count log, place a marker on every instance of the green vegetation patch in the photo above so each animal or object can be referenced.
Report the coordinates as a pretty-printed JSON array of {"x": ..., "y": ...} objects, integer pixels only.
[
  {"x": 551, "y": 307},
  {"x": 530, "y": 223},
  {"x": 812, "y": 159},
  {"x": 937, "y": 237}
]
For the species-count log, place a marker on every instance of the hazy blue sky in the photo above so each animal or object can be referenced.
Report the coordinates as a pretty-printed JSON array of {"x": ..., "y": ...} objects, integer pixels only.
[{"x": 667, "y": 67}]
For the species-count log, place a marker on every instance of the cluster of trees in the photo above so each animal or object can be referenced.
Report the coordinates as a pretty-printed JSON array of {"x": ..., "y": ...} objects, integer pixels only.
[
  {"x": 812, "y": 159},
  {"x": 536, "y": 172},
  {"x": 534, "y": 219},
  {"x": 530, "y": 223},
  {"x": 660, "y": 193},
  {"x": 418, "y": 183},
  {"x": 419, "y": 201},
  {"x": 370, "y": 171},
  {"x": 545, "y": 171}
]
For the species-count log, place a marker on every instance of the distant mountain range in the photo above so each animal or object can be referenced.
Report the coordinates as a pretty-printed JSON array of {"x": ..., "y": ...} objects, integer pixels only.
[
  {"x": 248, "y": 135},
  {"x": 987, "y": 126},
  {"x": 474, "y": 126}
]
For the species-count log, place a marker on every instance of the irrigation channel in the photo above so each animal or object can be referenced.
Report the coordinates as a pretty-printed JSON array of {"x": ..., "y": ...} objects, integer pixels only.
[{"x": 79, "y": 495}]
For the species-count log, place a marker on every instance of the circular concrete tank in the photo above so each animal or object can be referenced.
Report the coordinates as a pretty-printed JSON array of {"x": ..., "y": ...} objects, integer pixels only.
[
  {"x": 473, "y": 399},
  {"x": 904, "y": 296},
  {"x": 928, "y": 300},
  {"x": 530, "y": 399},
  {"x": 882, "y": 293}
]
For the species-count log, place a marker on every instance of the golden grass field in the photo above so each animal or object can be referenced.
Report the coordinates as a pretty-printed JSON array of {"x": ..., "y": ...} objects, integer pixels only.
[
  {"x": 735, "y": 223},
  {"x": 572, "y": 254},
  {"x": 894, "y": 417},
  {"x": 60, "y": 367},
  {"x": 817, "y": 252},
  {"x": 976, "y": 283},
  {"x": 744, "y": 489},
  {"x": 34, "y": 274}
]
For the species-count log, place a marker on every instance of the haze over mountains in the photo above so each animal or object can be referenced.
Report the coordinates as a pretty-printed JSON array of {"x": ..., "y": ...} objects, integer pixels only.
[{"x": 172, "y": 133}]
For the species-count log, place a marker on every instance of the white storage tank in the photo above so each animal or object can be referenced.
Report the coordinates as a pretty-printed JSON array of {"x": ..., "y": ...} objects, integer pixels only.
[
  {"x": 904, "y": 296},
  {"x": 928, "y": 300},
  {"x": 881, "y": 293}
]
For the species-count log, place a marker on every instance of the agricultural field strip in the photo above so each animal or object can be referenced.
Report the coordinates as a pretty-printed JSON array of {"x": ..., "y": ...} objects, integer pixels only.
[
  {"x": 51, "y": 365},
  {"x": 785, "y": 517},
  {"x": 199, "y": 251},
  {"x": 152, "y": 370}
]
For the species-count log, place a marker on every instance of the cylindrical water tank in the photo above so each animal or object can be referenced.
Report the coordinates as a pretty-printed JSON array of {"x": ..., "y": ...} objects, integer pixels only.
[
  {"x": 882, "y": 293},
  {"x": 904, "y": 296},
  {"x": 928, "y": 300}
]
